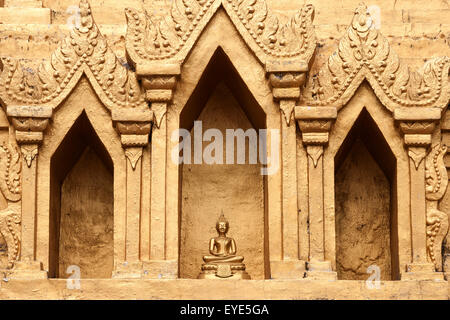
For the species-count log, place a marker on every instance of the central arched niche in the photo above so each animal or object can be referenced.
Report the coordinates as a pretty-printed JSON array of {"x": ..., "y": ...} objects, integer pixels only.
[
  {"x": 222, "y": 101},
  {"x": 81, "y": 214},
  {"x": 365, "y": 187}
]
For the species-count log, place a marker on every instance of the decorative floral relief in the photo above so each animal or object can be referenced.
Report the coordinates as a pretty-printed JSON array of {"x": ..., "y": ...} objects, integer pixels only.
[
  {"x": 436, "y": 173},
  {"x": 159, "y": 38},
  {"x": 437, "y": 229},
  {"x": 10, "y": 230},
  {"x": 84, "y": 50},
  {"x": 295, "y": 38},
  {"x": 152, "y": 37},
  {"x": 436, "y": 186},
  {"x": 10, "y": 169},
  {"x": 10, "y": 186},
  {"x": 363, "y": 53}
]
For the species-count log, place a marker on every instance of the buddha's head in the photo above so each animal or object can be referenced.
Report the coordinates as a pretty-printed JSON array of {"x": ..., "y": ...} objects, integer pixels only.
[{"x": 222, "y": 225}]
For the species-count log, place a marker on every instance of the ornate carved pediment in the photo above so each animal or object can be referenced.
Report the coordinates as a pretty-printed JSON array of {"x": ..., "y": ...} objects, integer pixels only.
[
  {"x": 170, "y": 36},
  {"x": 85, "y": 51},
  {"x": 270, "y": 38},
  {"x": 363, "y": 53}
]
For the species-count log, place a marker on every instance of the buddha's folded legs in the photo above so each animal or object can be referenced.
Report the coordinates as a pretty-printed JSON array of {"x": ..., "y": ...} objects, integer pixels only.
[{"x": 228, "y": 259}]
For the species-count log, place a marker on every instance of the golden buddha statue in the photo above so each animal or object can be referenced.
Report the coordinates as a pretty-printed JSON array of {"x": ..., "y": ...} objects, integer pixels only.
[{"x": 223, "y": 261}]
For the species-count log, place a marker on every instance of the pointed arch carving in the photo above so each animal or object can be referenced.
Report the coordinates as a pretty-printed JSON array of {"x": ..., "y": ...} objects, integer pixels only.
[
  {"x": 363, "y": 53},
  {"x": 171, "y": 37},
  {"x": 84, "y": 51}
]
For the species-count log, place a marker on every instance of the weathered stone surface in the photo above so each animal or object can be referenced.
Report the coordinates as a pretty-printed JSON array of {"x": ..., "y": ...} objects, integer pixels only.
[
  {"x": 124, "y": 76},
  {"x": 86, "y": 236},
  {"x": 363, "y": 214}
]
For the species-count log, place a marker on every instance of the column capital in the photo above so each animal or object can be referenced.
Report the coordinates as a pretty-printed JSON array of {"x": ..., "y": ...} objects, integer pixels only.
[
  {"x": 286, "y": 79},
  {"x": 315, "y": 123},
  {"x": 417, "y": 124},
  {"x": 133, "y": 126},
  {"x": 30, "y": 122},
  {"x": 159, "y": 82}
]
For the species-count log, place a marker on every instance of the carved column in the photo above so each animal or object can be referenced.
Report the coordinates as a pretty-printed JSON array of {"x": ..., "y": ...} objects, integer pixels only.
[
  {"x": 315, "y": 124},
  {"x": 417, "y": 124},
  {"x": 134, "y": 127},
  {"x": 159, "y": 82},
  {"x": 286, "y": 80},
  {"x": 29, "y": 123}
]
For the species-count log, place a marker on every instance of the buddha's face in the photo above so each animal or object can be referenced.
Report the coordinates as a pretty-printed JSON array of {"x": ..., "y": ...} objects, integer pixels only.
[{"x": 222, "y": 227}]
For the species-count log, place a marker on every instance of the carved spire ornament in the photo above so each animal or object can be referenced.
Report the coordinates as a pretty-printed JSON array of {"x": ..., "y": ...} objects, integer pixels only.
[
  {"x": 363, "y": 53},
  {"x": 151, "y": 37},
  {"x": 158, "y": 44},
  {"x": 267, "y": 36},
  {"x": 171, "y": 35}
]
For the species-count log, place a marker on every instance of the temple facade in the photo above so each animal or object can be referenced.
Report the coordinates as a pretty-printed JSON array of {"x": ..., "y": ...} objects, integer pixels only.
[{"x": 319, "y": 131}]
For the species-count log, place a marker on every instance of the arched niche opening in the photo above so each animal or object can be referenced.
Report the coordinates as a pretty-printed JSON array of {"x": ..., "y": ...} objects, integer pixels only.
[
  {"x": 222, "y": 101},
  {"x": 81, "y": 205},
  {"x": 366, "y": 211}
]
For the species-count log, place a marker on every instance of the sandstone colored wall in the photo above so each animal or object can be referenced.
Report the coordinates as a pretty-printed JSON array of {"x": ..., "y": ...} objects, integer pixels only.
[
  {"x": 415, "y": 31},
  {"x": 209, "y": 189}
]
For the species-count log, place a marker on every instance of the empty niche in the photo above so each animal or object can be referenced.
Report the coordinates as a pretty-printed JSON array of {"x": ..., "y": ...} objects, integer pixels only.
[
  {"x": 81, "y": 219},
  {"x": 365, "y": 204}
]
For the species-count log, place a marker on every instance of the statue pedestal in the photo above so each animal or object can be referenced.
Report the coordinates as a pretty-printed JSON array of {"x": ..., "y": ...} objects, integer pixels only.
[{"x": 235, "y": 271}]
